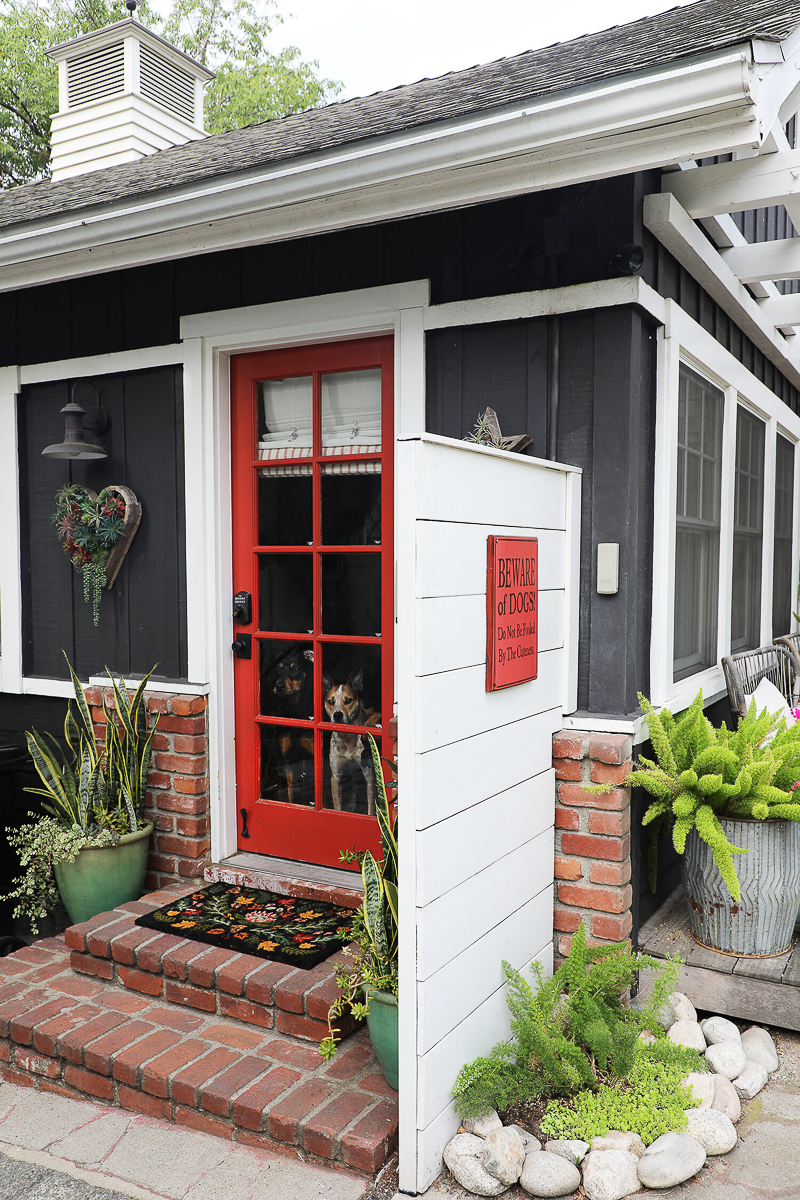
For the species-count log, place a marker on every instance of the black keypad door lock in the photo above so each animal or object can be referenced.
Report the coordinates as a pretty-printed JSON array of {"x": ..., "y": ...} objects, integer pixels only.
[
  {"x": 243, "y": 609},
  {"x": 243, "y": 646}
]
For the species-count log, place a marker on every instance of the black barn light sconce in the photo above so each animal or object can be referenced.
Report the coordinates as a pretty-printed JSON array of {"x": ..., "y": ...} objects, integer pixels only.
[
  {"x": 77, "y": 423},
  {"x": 628, "y": 260}
]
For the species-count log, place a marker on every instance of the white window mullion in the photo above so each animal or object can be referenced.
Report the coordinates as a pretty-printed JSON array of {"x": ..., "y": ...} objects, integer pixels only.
[
  {"x": 665, "y": 483},
  {"x": 726, "y": 522},
  {"x": 795, "y": 624},
  {"x": 768, "y": 539}
]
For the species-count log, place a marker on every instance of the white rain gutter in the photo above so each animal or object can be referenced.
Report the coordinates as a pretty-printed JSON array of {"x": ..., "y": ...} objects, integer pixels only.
[{"x": 647, "y": 119}]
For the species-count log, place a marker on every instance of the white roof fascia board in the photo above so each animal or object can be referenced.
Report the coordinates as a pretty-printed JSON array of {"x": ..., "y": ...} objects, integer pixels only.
[
  {"x": 777, "y": 81},
  {"x": 675, "y": 229},
  {"x": 695, "y": 107}
]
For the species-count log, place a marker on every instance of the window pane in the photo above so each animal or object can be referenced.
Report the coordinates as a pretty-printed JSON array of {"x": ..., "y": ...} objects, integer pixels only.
[
  {"x": 351, "y": 684},
  {"x": 782, "y": 550},
  {"x": 351, "y": 510},
  {"x": 349, "y": 775},
  {"x": 286, "y": 679},
  {"x": 351, "y": 412},
  {"x": 351, "y": 594},
  {"x": 748, "y": 523},
  {"x": 286, "y": 593},
  {"x": 697, "y": 524},
  {"x": 287, "y": 764},
  {"x": 284, "y": 508},
  {"x": 285, "y": 417}
]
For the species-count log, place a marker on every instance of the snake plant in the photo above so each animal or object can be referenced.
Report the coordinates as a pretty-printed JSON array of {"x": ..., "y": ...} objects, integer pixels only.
[{"x": 374, "y": 958}]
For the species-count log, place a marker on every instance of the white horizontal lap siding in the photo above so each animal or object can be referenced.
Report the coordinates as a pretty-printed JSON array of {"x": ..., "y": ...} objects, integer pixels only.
[
  {"x": 483, "y": 795},
  {"x": 454, "y": 629}
]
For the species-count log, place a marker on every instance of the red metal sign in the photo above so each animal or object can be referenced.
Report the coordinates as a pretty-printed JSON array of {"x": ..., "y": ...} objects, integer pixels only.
[{"x": 512, "y": 593}]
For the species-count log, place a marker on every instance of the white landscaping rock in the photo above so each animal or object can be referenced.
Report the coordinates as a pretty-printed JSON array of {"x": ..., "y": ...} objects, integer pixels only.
[
  {"x": 726, "y": 1058},
  {"x": 610, "y": 1174},
  {"x": 503, "y": 1155},
  {"x": 647, "y": 1037},
  {"x": 712, "y": 1129},
  {"x": 462, "y": 1158},
  {"x": 483, "y": 1126},
  {"x": 529, "y": 1142},
  {"x": 687, "y": 1033},
  {"x": 759, "y": 1047},
  {"x": 572, "y": 1149},
  {"x": 682, "y": 1006},
  {"x": 719, "y": 1029},
  {"x": 701, "y": 1086},
  {"x": 665, "y": 1016},
  {"x": 751, "y": 1080},
  {"x": 546, "y": 1174},
  {"x": 616, "y": 1139},
  {"x": 670, "y": 1160},
  {"x": 726, "y": 1098}
]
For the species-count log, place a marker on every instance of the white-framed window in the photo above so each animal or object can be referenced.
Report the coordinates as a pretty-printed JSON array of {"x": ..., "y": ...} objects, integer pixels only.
[{"x": 726, "y": 523}]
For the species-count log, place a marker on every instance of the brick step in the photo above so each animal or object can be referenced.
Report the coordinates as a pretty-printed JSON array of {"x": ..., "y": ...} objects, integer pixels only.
[
  {"x": 113, "y": 948},
  {"x": 84, "y": 1037}
]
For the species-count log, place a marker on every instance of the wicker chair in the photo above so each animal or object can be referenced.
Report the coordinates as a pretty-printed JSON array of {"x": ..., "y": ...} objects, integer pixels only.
[
  {"x": 792, "y": 643},
  {"x": 744, "y": 672}
]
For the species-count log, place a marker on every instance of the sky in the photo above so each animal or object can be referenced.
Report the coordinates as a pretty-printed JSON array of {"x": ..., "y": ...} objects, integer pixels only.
[{"x": 370, "y": 45}]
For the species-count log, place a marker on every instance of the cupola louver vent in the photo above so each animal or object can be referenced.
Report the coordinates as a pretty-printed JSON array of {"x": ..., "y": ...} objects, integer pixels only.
[
  {"x": 95, "y": 75},
  {"x": 166, "y": 84}
]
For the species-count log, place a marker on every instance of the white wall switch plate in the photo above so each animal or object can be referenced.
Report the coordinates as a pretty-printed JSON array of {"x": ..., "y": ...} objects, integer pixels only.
[{"x": 607, "y": 568}]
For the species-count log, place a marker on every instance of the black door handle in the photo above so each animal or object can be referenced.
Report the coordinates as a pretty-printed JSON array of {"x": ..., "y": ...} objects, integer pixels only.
[
  {"x": 245, "y": 830},
  {"x": 242, "y": 647}
]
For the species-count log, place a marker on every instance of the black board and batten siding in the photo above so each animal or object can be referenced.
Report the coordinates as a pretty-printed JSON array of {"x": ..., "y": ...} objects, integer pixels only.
[
  {"x": 604, "y": 392},
  {"x": 143, "y": 617}
]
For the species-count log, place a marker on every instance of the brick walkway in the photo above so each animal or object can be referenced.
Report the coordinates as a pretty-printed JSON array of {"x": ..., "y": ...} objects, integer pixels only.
[{"x": 211, "y": 1040}]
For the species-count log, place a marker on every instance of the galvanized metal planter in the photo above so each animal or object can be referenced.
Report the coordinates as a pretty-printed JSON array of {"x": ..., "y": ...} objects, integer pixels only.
[{"x": 761, "y": 924}]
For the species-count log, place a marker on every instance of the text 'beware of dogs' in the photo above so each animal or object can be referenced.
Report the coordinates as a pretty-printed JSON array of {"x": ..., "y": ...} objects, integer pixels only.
[{"x": 512, "y": 593}]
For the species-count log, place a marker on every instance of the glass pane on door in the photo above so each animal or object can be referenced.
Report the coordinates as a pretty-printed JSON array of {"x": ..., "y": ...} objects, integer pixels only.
[
  {"x": 349, "y": 773},
  {"x": 351, "y": 509},
  {"x": 286, "y": 679},
  {"x": 351, "y": 412},
  {"x": 285, "y": 507},
  {"x": 351, "y": 594},
  {"x": 286, "y": 593},
  {"x": 287, "y": 764}
]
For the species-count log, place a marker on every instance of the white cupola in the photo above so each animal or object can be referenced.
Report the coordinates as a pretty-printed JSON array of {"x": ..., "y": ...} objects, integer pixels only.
[{"x": 123, "y": 92}]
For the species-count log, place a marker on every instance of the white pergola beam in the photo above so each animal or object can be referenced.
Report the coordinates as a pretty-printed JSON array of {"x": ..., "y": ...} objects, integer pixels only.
[
  {"x": 675, "y": 229},
  {"x": 768, "y": 179},
  {"x": 781, "y": 310},
  {"x": 765, "y": 260}
]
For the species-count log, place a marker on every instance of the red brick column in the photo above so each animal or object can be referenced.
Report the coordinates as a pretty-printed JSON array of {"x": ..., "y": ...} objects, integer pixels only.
[
  {"x": 593, "y": 844},
  {"x": 177, "y": 795}
]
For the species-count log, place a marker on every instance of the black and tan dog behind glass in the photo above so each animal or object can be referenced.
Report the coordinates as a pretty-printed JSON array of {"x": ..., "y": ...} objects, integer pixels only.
[{"x": 288, "y": 691}]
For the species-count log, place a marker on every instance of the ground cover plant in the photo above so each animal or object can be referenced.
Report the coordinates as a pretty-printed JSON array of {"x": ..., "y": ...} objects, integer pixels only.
[{"x": 575, "y": 1042}]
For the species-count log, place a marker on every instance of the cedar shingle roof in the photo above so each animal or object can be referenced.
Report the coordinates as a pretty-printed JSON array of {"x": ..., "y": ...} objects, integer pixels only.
[{"x": 694, "y": 29}]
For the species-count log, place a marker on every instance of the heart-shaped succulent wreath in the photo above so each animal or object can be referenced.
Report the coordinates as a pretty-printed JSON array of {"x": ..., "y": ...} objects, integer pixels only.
[{"x": 90, "y": 527}]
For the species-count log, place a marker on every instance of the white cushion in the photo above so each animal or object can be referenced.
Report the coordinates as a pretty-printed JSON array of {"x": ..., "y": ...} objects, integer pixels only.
[{"x": 767, "y": 696}]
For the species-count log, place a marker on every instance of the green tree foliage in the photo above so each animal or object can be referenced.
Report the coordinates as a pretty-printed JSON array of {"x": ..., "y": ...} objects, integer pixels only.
[
  {"x": 572, "y": 1033},
  {"x": 227, "y": 36}
]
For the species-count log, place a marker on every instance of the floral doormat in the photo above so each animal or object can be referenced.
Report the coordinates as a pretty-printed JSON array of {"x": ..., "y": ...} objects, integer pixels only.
[{"x": 284, "y": 929}]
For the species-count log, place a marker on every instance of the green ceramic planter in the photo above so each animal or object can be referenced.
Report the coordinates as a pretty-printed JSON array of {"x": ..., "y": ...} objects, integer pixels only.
[
  {"x": 102, "y": 877},
  {"x": 382, "y": 1026}
]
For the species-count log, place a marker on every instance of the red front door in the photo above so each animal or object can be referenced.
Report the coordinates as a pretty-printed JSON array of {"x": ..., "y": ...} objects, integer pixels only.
[{"x": 312, "y": 465}]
